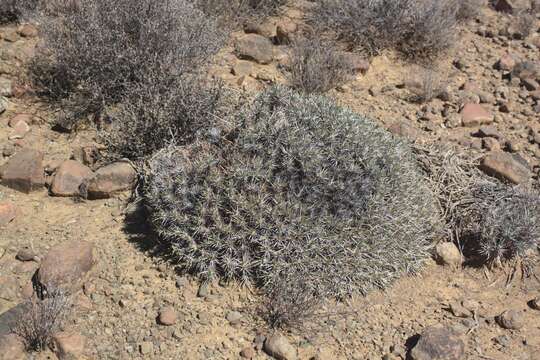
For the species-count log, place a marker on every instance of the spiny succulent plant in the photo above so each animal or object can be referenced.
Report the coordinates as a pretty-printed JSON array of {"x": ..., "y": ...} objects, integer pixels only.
[{"x": 302, "y": 194}]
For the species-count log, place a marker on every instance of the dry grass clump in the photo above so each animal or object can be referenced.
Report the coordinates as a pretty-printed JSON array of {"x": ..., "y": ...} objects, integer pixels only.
[
  {"x": 317, "y": 66},
  {"x": 99, "y": 53},
  {"x": 491, "y": 221},
  {"x": 42, "y": 319},
  {"x": 303, "y": 196},
  {"x": 419, "y": 28},
  {"x": 428, "y": 83}
]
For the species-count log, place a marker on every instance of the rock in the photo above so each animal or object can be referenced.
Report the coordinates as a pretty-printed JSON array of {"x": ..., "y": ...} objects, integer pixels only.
[
  {"x": 505, "y": 167},
  {"x": 459, "y": 311},
  {"x": 448, "y": 254},
  {"x": 247, "y": 353},
  {"x": 27, "y": 118},
  {"x": 8, "y": 319},
  {"x": 27, "y": 31},
  {"x": 203, "y": 290},
  {"x": 167, "y": 316},
  {"x": 110, "y": 179},
  {"x": 234, "y": 317},
  {"x": 488, "y": 131},
  {"x": 254, "y": 47},
  {"x": 491, "y": 144},
  {"x": 242, "y": 68},
  {"x": 535, "y": 303},
  {"x": 506, "y": 63},
  {"x": 66, "y": 264},
  {"x": 6, "y": 87},
  {"x": 10, "y": 36},
  {"x": 438, "y": 343},
  {"x": 146, "y": 348},
  {"x": 68, "y": 346},
  {"x": 285, "y": 31},
  {"x": 24, "y": 171},
  {"x": 8, "y": 212},
  {"x": 12, "y": 348},
  {"x": 530, "y": 84},
  {"x": 4, "y": 104},
  {"x": 511, "y": 319},
  {"x": 26, "y": 254},
  {"x": 279, "y": 348},
  {"x": 405, "y": 130},
  {"x": 526, "y": 70},
  {"x": 87, "y": 154},
  {"x": 19, "y": 131},
  {"x": 267, "y": 30},
  {"x": 474, "y": 115},
  {"x": 69, "y": 177}
]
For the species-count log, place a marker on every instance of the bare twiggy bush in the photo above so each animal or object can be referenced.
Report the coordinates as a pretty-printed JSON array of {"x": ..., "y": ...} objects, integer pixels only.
[
  {"x": 428, "y": 83},
  {"x": 489, "y": 220},
  {"x": 317, "y": 66},
  {"x": 152, "y": 117},
  {"x": 43, "y": 318},
  {"x": 302, "y": 190},
  {"x": 231, "y": 12},
  {"x": 98, "y": 52},
  {"x": 420, "y": 29}
]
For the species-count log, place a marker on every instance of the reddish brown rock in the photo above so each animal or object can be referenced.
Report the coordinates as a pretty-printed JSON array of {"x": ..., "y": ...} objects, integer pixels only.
[
  {"x": 27, "y": 31},
  {"x": 27, "y": 118},
  {"x": 24, "y": 171},
  {"x": 65, "y": 265},
  {"x": 505, "y": 167},
  {"x": 111, "y": 179},
  {"x": 8, "y": 212},
  {"x": 285, "y": 31},
  {"x": 511, "y": 319},
  {"x": 247, "y": 353},
  {"x": 475, "y": 115},
  {"x": 68, "y": 346},
  {"x": 167, "y": 316},
  {"x": 506, "y": 62},
  {"x": 438, "y": 343},
  {"x": 254, "y": 47},
  {"x": 69, "y": 177},
  {"x": 20, "y": 130},
  {"x": 12, "y": 348},
  {"x": 87, "y": 154}
]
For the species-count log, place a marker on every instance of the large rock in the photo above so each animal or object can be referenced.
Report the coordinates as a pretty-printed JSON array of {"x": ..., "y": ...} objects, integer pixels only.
[
  {"x": 69, "y": 177},
  {"x": 8, "y": 319},
  {"x": 111, "y": 179},
  {"x": 511, "y": 6},
  {"x": 8, "y": 212},
  {"x": 254, "y": 47},
  {"x": 448, "y": 254},
  {"x": 65, "y": 265},
  {"x": 438, "y": 343},
  {"x": 506, "y": 62},
  {"x": 475, "y": 115},
  {"x": 511, "y": 319},
  {"x": 12, "y": 348},
  {"x": 68, "y": 346},
  {"x": 279, "y": 348},
  {"x": 506, "y": 167},
  {"x": 24, "y": 171}
]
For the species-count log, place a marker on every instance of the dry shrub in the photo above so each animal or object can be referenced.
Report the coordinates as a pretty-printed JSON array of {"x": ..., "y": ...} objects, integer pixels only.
[
  {"x": 231, "y": 12},
  {"x": 418, "y": 28},
  {"x": 98, "y": 52},
  {"x": 304, "y": 199},
  {"x": 428, "y": 83},
  {"x": 43, "y": 318},
  {"x": 469, "y": 9},
  {"x": 317, "y": 66},
  {"x": 489, "y": 220}
]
